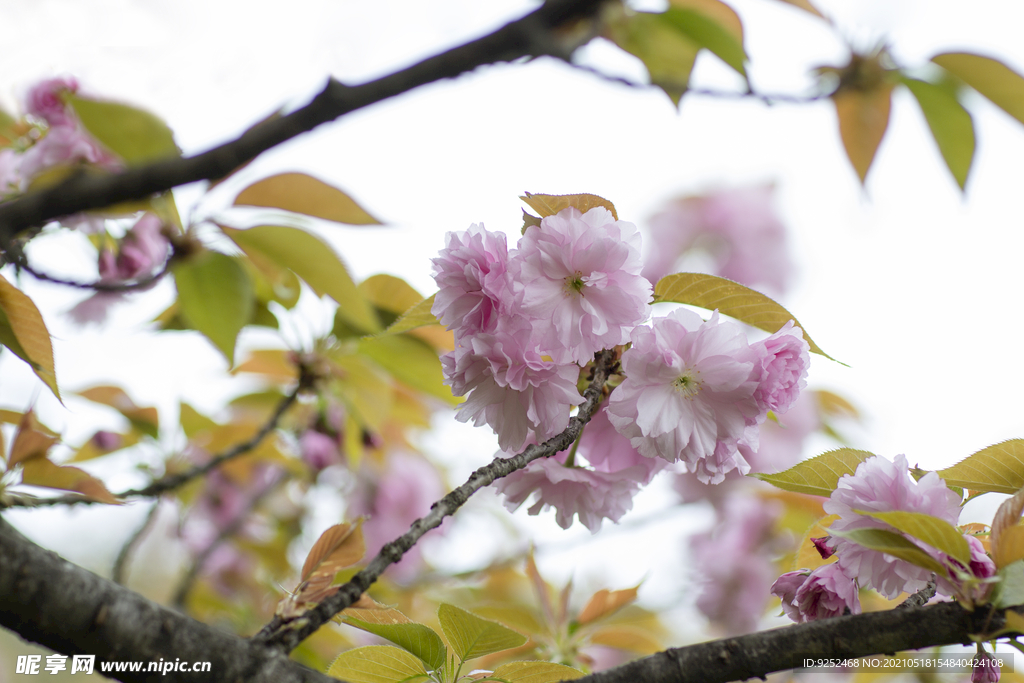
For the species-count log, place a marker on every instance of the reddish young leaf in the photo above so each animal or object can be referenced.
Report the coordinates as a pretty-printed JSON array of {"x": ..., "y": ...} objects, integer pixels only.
[
  {"x": 32, "y": 440},
  {"x": 863, "y": 119},
  {"x": 339, "y": 547},
  {"x": 604, "y": 602},
  {"x": 43, "y": 472}
]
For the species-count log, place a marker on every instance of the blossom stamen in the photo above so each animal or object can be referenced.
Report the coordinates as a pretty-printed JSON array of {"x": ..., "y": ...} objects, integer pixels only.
[
  {"x": 688, "y": 385},
  {"x": 574, "y": 284}
]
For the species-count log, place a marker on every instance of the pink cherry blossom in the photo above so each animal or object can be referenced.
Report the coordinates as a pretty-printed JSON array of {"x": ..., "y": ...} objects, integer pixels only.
[
  {"x": 738, "y": 229},
  {"x": 511, "y": 387},
  {"x": 143, "y": 248},
  {"x": 689, "y": 387},
  {"x": 785, "y": 356},
  {"x": 986, "y": 670},
  {"x": 882, "y": 486},
  {"x": 608, "y": 451},
  {"x": 319, "y": 450},
  {"x": 733, "y": 561},
  {"x": 578, "y": 276},
  {"x": 572, "y": 491},
  {"x": 472, "y": 273},
  {"x": 982, "y": 565},
  {"x": 64, "y": 145},
  {"x": 808, "y": 596},
  {"x": 45, "y": 101}
]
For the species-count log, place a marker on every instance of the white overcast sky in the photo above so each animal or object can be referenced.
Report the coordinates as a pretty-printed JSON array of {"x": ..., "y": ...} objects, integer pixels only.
[{"x": 914, "y": 286}]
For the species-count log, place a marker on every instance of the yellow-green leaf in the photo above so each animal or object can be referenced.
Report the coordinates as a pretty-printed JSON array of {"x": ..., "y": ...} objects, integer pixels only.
[
  {"x": 892, "y": 543},
  {"x": 820, "y": 475},
  {"x": 668, "y": 54},
  {"x": 997, "y": 469},
  {"x": 378, "y": 664},
  {"x": 305, "y": 194},
  {"x": 1009, "y": 591},
  {"x": 550, "y": 204},
  {"x": 471, "y": 637},
  {"x": 215, "y": 297},
  {"x": 1000, "y": 84},
  {"x": 863, "y": 120},
  {"x": 43, "y": 472},
  {"x": 730, "y": 298},
  {"x": 133, "y": 134},
  {"x": 390, "y": 293},
  {"x": 418, "y": 639},
  {"x": 314, "y": 262},
  {"x": 806, "y": 6},
  {"x": 950, "y": 123},
  {"x": 146, "y": 420},
  {"x": 938, "y": 533},
  {"x": 535, "y": 672},
  {"x": 365, "y": 388},
  {"x": 712, "y": 25},
  {"x": 417, "y": 316},
  {"x": 1014, "y": 621},
  {"x": 411, "y": 362},
  {"x": 23, "y": 331}
]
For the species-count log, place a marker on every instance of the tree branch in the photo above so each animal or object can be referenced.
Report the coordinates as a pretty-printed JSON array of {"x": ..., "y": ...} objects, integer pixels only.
[
  {"x": 99, "y": 285},
  {"x": 50, "y": 601},
  {"x": 531, "y": 36},
  {"x": 288, "y": 634}
]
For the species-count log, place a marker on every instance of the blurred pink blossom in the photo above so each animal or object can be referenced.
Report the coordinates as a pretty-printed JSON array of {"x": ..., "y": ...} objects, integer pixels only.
[
  {"x": 882, "y": 486},
  {"x": 10, "y": 172},
  {"x": 592, "y": 496},
  {"x": 608, "y": 451},
  {"x": 392, "y": 499},
  {"x": 733, "y": 561},
  {"x": 143, "y": 248},
  {"x": 740, "y": 229},
  {"x": 577, "y": 276},
  {"x": 45, "y": 101},
  {"x": 689, "y": 392},
  {"x": 319, "y": 450},
  {"x": 823, "y": 593},
  {"x": 986, "y": 670},
  {"x": 63, "y": 145},
  {"x": 472, "y": 274}
]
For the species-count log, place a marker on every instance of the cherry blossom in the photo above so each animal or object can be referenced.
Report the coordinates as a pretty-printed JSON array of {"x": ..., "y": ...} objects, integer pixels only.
[
  {"x": 472, "y": 273},
  {"x": 879, "y": 485},
  {"x": 823, "y": 593},
  {"x": 608, "y": 451},
  {"x": 45, "y": 101},
  {"x": 785, "y": 356},
  {"x": 689, "y": 387},
  {"x": 577, "y": 276},
  {"x": 986, "y": 670}
]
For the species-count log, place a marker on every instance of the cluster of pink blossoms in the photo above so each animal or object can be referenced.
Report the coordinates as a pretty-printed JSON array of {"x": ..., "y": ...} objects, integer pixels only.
[
  {"x": 526, "y": 320},
  {"x": 878, "y": 485}
]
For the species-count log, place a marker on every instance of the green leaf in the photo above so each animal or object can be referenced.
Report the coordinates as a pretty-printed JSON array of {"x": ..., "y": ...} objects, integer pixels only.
[
  {"x": 1000, "y": 84},
  {"x": 23, "y": 331},
  {"x": 820, "y": 475},
  {"x": 305, "y": 194},
  {"x": 730, "y": 298},
  {"x": 133, "y": 134},
  {"x": 938, "y": 533},
  {"x": 417, "y": 316},
  {"x": 950, "y": 123},
  {"x": 377, "y": 664},
  {"x": 996, "y": 469},
  {"x": 1010, "y": 590},
  {"x": 535, "y": 672},
  {"x": 215, "y": 297},
  {"x": 366, "y": 390},
  {"x": 705, "y": 31},
  {"x": 390, "y": 293},
  {"x": 668, "y": 54},
  {"x": 410, "y": 361},
  {"x": 892, "y": 543},
  {"x": 550, "y": 204},
  {"x": 314, "y": 262},
  {"x": 418, "y": 639},
  {"x": 471, "y": 637}
]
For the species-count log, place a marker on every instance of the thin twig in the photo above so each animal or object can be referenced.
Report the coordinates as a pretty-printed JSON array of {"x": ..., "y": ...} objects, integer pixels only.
[
  {"x": 286, "y": 635},
  {"x": 99, "y": 285},
  {"x": 185, "y": 585},
  {"x": 171, "y": 481},
  {"x": 117, "y": 575},
  {"x": 921, "y": 597}
]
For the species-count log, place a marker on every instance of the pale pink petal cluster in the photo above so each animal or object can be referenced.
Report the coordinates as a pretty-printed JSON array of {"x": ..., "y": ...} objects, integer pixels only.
[
  {"x": 45, "y": 100},
  {"x": 142, "y": 249},
  {"x": 690, "y": 386},
  {"x": 736, "y": 231},
  {"x": 572, "y": 491},
  {"x": 319, "y": 450},
  {"x": 608, "y": 451},
  {"x": 879, "y": 485},
  {"x": 785, "y": 356},
  {"x": 472, "y": 274},
  {"x": 578, "y": 277},
  {"x": 823, "y": 593},
  {"x": 733, "y": 561}
]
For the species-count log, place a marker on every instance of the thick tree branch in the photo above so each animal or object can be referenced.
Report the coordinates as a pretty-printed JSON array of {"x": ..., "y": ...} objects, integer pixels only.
[
  {"x": 533, "y": 35},
  {"x": 50, "y": 601},
  {"x": 287, "y": 635}
]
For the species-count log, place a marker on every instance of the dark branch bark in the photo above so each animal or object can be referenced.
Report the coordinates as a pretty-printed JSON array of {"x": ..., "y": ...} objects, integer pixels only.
[
  {"x": 533, "y": 35},
  {"x": 52, "y": 602}
]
